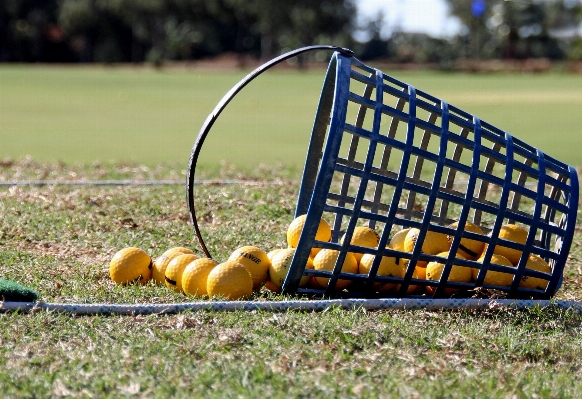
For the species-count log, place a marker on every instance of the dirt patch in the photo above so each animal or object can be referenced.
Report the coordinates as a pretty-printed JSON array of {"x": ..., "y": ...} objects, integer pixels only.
[{"x": 86, "y": 256}]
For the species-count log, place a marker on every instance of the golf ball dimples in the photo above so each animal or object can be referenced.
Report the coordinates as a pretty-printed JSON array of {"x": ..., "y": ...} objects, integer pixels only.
[
  {"x": 130, "y": 264},
  {"x": 326, "y": 259},
  {"x": 280, "y": 267},
  {"x": 175, "y": 270},
  {"x": 255, "y": 260},
  {"x": 195, "y": 276},
  {"x": 296, "y": 227},
  {"x": 160, "y": 265},
  {"x": 363, "y": 237},
  {"x": 510, "y": 232},
  {"x": 229, "y": 280}
]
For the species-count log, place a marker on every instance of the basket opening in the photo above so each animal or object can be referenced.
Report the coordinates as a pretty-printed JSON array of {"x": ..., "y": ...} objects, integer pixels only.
[
  {"x": 353, "y": 150},
  {"x": 393, "y": 128},
  {"x": 454, "y": 181},
  {"x": 360, "y": 115},
  {"x": 343, "y": 189},
  {"x": 427, "y": 141},
  {"x": 387, "y": 160}
]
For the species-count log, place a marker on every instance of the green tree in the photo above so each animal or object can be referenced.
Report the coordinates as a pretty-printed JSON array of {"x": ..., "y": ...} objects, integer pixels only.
[
  {"x": 158, "y": 30},
  {"x": 476, "y": 30},
  {"x": 29, "y": 32},
  {"x": 517, "y": 29}
]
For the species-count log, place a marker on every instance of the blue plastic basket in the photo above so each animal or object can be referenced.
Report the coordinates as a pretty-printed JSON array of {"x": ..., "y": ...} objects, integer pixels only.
[{"x": 386, "y": 155}]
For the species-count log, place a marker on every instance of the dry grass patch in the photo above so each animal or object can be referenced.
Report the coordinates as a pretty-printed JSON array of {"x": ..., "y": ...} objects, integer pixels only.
[{"x": 59, "y": 240}]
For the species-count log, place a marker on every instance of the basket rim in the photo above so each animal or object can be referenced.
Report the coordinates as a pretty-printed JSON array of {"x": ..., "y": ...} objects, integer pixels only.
[{"x": 213, "y": 116}]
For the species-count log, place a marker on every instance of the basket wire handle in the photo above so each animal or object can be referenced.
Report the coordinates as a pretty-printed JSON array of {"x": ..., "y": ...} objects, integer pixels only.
[{"x": 205, "y": 129}]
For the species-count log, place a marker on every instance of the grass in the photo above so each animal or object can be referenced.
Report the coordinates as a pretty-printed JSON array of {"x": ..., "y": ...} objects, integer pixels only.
[
  {"x": 337, "y": 354},
  {"x": 86, "y": 114},
  {"x": 59, "y": 240}
]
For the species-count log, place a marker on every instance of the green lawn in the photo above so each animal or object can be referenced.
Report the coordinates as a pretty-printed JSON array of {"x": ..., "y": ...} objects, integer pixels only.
[
  {"x": 140, "y": 124},
  {"x": 59, "y": 240},
  {"x": 87, "y": 114}
]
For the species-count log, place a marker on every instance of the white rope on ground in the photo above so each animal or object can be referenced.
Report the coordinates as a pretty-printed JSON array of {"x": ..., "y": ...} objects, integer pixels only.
[
  {"x": 279, "y": 306},
  {"x": 39, "y": 183},
  {"x": 211, "y": 182}
]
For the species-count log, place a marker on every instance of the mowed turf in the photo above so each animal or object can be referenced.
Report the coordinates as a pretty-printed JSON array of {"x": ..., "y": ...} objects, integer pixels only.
[
  {"x": 59, "y": 240},
  {"x": 86, "y": 114}
]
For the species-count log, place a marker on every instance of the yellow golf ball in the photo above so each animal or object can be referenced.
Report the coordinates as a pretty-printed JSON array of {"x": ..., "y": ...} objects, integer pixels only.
[
  {"x": 458, "y": 274},
  {"x": 271, "y": 254},
  {"x": 175, "y": 270},
  {"x": 159, "y": 267},
  {"x": 326, "y": 259},
  {"x": 397, "y": 242},
  {"x": 493, "y": 277},
  {"x": 195, "y": 276},
  {"x": 255, "y": 260},
  {"x": 130, "y": 264},
  {"x": 434, "y": 243},
  {"x": 296, "y": 227},
  {"x": 510, "y": 232},
  {"x": 534, "y": 262},
  {"x": 363, "y": 237},
  {"x": 389, "y": 266},
  {"x": 229, "y": 280},
  {"x": 280, "y": 267},
  {"x": 468, "y": 249}
]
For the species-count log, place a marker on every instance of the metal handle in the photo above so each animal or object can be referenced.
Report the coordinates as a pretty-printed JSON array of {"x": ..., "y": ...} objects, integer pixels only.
[{"x": 205, "y": 129}]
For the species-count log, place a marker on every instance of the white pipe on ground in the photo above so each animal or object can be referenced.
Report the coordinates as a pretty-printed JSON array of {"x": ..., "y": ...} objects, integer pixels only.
[{"x": 279, "y": 306}]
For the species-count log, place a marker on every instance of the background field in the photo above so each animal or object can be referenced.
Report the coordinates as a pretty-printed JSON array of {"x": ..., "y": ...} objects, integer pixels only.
[{"x": 87, "y": 114}]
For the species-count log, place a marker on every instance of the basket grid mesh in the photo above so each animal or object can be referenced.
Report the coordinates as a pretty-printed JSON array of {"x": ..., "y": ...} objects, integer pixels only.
[{"x": 404, "y": 158}]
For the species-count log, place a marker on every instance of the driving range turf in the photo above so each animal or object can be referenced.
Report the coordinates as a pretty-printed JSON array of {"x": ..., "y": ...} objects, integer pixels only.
[
  {"x": 83, "y": 114},
  {"x": 59, "y": 240}
]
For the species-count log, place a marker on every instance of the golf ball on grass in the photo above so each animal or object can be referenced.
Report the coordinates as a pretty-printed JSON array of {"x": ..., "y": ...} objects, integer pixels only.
[
  {"x": 256, "y": 261},
  {"x": 272, "y": 287},
  {"x": 175, "y": 270},
  {"x": 280, "y": 267},
  {"x": 130, "y": 265},
  {"x": 229, "y": 280},
  {"x": 195, "y": 276},
  {"x": 161, "y": 263},
  {"x": 296, "y": 227},
  {"x": 272, "y": 253}
]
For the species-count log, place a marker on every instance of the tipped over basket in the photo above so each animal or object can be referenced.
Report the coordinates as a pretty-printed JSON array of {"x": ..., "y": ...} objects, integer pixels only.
[{"x": 386, "y": 157}]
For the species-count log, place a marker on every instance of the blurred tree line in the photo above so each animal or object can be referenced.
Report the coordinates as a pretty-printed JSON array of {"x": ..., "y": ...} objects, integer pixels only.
[
  {"x": 491, "y": 29},
  {"x": 518, "y": 29},
  {"x": 159, "y": 30}
]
